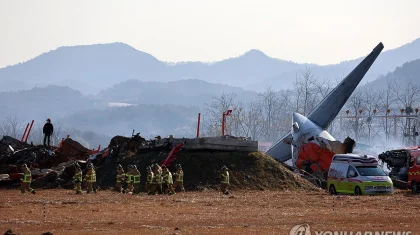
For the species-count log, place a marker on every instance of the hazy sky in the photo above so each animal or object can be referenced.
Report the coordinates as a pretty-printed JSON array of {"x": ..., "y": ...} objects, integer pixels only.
[{"x": 323, "y": 32}]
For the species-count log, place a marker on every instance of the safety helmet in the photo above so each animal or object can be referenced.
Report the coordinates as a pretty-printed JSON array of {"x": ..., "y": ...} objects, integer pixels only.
[
  {"x": 148, "y": 168},
  {"x": 119, "y": 166},
  {"x": 90, "y": 165},
  {"x": 24, "y": 165},
  {"x": 178, "y": 166},
  {"x": 133, "y": 166}
]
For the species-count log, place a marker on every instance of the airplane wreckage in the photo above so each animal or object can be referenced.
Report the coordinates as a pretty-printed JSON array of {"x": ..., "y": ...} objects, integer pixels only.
[{"x": 308, "y": 144}]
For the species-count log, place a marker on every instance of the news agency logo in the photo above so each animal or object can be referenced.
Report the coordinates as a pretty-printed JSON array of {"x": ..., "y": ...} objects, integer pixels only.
[
  {"x": 304, "y": 229},
  {"x": 300, "y": 229}
]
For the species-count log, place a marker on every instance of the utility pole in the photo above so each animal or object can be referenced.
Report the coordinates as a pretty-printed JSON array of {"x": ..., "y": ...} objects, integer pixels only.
[{"x": 227, "y": 113}]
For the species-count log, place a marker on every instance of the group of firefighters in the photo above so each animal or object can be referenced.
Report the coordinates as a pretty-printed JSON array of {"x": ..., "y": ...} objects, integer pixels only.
[
  {"x": 159, "y": 179},
  {"x": 90, "y": 178}
]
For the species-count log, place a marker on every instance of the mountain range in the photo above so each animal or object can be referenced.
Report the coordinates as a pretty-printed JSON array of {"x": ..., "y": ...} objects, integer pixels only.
[
  {"x": 79, "y": 87},
  {"x": 189, "y": 92},
  {"x": 93, "y": 68}
]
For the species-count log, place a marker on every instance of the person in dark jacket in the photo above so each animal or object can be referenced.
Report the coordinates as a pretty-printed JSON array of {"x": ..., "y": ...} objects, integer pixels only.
[{"x": 48, "y": 131}]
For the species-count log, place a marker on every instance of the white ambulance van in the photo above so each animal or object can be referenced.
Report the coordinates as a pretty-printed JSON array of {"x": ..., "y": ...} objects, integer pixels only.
[{"x": 358, "y": 175}]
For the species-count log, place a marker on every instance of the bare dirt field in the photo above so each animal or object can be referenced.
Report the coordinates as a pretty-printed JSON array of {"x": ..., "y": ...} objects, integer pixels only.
[{"x": 207, "y": 212}]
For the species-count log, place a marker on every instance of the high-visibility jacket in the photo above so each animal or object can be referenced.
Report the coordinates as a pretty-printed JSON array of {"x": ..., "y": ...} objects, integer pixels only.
[
  {"x": 27, "y": 176},
  {"x": 91, "y": 176},
  {"x": 150, "y": 177},
  {"x": 170, "y": 180},
  {"x": 179, "y": 177},
  {"x": 129, "y": 178},
  {"x": 120, "y": 176},
  {"x": 78, "y": 176},
  {"x": 225, "y": 177},
  {"x": 157, "y": 179},
  {"x": 136, "y": 177},
  {"x": 167, "y": 178}
]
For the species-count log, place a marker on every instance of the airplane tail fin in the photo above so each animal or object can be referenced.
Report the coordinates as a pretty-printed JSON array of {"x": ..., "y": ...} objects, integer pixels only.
[{"x": 331, "y": 105}]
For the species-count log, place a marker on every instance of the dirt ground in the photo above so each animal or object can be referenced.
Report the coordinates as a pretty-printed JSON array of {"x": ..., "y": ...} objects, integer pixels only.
[{"x": 207, "y": 212}]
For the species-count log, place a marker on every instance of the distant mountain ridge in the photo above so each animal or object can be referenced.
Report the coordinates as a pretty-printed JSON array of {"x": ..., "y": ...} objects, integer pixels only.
[
  {"x": 407, "y": 73},
  {"x": 93, "y": 68},
  {"x": 387, "y": 62},
  {"x": 159, "y": 107},
  {"x": 189, "y": 92},
  {"x": 60, "y": 101},
  {"x": 45, "y": 102}
]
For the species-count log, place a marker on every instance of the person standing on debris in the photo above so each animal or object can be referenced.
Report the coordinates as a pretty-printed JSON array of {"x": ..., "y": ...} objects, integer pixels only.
[
  {"x": 77, "y": 178},
  {"x": 129, "y": 179},
  {"x": 121, "y": 177},
  {"x": 225, "y": 180},
  {"x": 179, "y": 178},
  {"x": 149, "y": 180},
  {"x": 25, "y": 180},
  {"x": 136, "y": 180},
  {"x": 167, "y": 181},
  {"x": 48, "y": 131},
  {"x": 90, "y": 179}
]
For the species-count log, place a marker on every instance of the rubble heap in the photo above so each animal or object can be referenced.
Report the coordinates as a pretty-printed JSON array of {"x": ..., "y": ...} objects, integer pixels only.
[
  {"x": 53, "y": 168},
  {"x": 45, "y": 164}
]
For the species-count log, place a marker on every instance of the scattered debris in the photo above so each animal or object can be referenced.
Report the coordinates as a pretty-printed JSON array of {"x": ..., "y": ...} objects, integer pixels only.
[{"x": 253, "y": 170}]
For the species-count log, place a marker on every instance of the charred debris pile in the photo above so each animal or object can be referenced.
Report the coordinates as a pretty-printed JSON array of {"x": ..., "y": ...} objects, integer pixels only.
[{"x": 53, "y": 167}]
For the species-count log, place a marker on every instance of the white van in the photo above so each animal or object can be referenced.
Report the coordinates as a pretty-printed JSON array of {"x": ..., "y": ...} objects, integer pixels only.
[{"x": 357, "y": 174}]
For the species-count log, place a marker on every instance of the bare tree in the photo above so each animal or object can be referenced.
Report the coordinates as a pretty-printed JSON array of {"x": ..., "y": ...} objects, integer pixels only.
[
  {"x": 355, "y": 104},
  {"x": 271, "y": 104},
  {"x": 387, "y": 103},
  {"x": 407, "y": 95},
  {"x": 251, "y": 121},
  {"x": 372, "y": 102},
  {"x": 10, "y": 126},
  {"x": 305, "y": 92},
  {"x": 212, "y": 118},
  {"x": 237, "y": 120}
]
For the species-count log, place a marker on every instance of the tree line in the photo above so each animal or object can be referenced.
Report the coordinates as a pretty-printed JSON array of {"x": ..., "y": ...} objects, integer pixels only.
[
  {"x": 268, "y": 115},
  {"x": 364, "y": 117}
]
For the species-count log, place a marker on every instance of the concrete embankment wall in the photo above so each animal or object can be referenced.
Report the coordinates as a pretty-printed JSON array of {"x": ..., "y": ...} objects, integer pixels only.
[{"x": 214, "y": 143}]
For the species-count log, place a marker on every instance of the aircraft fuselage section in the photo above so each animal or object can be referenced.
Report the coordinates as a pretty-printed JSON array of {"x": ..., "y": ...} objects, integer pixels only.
[{"x": 305, "y": 131}]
